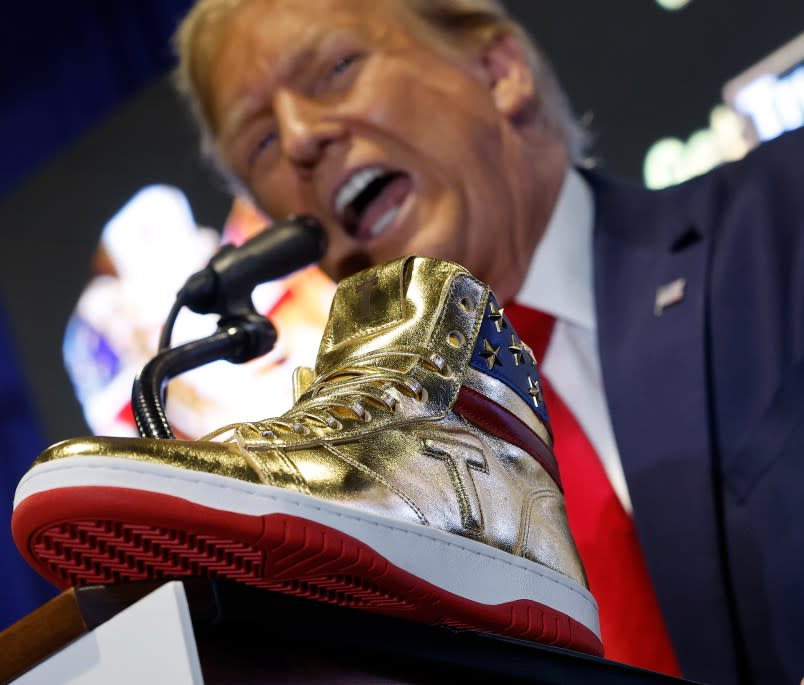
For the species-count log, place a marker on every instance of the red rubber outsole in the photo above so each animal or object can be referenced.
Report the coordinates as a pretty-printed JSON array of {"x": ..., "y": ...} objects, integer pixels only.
[{"x": 98, "y": 535}]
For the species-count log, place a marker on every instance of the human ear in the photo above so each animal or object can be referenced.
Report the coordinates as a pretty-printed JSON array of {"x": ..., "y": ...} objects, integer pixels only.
[{"x": 509, "y": 76}]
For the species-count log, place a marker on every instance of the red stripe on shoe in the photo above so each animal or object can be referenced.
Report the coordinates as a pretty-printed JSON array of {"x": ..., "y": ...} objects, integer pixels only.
[{"x": 491, "y": 417}]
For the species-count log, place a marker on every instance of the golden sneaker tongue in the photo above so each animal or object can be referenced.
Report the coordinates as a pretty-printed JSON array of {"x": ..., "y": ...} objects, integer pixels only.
[{"x": 393, "y": 306}]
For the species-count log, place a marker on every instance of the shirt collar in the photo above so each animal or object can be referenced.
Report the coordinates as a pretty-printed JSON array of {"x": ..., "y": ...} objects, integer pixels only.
[{"x": 559, "y": 279}]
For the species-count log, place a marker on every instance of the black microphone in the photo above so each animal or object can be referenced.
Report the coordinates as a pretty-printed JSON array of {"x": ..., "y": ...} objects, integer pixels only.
[{"x": 233, "y": 272}]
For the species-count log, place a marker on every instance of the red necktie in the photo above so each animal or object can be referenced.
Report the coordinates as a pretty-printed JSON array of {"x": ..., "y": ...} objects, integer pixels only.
[{"x": 631, "y": 623}]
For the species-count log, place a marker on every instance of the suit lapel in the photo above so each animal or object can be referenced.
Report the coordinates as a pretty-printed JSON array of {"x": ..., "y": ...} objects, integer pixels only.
[{"x": 655, "y": 371}]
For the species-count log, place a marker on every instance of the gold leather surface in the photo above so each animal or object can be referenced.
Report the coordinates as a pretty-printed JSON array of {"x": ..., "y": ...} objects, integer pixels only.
[{"x": 220, "y": 458}]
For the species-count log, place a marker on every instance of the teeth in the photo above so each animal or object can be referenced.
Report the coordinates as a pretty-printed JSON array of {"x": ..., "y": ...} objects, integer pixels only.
[
  {"x": 384, "y": 221},
  {"x": 355, "y": 185}
]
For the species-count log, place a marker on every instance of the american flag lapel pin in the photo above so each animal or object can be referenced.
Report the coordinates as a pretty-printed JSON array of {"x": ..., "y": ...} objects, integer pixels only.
[{"x": 668, "y": 295}]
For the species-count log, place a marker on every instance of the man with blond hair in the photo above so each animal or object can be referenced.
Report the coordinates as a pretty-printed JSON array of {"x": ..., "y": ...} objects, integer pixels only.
[
  {"x": 438, "y": 128},
  {"x": 669, "y": 329}
]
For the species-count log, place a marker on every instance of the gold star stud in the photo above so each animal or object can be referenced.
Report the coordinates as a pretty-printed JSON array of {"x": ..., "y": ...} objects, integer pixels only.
[
  {"x": 535, "y": 391},
  {"x": 497, "y": 317},
  {"x": 516, "y": 350},
  {"x": 529, "y": 352},
  {"x": 490, "y": 354}
]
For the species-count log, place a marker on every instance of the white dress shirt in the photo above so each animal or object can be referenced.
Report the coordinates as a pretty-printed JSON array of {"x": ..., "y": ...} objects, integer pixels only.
[{"x": 559, "y": 282}]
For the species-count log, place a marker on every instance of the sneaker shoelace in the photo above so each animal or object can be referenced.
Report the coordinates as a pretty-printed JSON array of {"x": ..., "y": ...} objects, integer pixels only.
[{"x": 346, "y": 392}]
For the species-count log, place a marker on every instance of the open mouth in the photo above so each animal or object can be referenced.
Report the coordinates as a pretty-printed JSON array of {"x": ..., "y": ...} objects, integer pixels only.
[{"x": 370, "y": 199}]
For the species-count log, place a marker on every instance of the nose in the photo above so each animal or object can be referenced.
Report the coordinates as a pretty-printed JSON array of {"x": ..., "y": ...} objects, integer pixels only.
[{"x": 306, "y": 128}]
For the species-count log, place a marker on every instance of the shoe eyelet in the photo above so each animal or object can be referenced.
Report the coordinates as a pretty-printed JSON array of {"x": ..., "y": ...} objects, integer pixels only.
[
  {"x": 335, "y": 425},
  {"x": 456, "y": 338},
  {"x": 467, "y": 304},
  {"x": 436, "y": 363},
  {"x": 301, "y": 429}
]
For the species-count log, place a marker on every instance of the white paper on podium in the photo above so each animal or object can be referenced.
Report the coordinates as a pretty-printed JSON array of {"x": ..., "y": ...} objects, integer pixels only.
[{"x": 151, "y": 641}]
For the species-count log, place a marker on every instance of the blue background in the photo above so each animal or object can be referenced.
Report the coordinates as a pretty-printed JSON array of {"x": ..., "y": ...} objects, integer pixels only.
[{"x": 63, "y": 66}]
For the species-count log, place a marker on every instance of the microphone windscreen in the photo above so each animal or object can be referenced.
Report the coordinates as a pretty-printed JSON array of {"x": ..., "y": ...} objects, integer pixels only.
[
  {"x": 275, "y": 252},
  {"x": 233, "y": 272}
]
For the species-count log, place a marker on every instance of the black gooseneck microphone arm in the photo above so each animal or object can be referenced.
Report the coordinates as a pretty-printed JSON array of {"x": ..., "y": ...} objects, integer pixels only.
[{"x": 224, "y": 287}]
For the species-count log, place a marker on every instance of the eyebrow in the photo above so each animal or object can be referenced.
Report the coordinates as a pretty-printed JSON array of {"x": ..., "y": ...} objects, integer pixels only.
[{"x": 250, "y": 107}]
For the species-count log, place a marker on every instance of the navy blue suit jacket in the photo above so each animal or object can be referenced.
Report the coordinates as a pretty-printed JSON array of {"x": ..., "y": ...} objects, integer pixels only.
[{"x": 707, "y": 403}]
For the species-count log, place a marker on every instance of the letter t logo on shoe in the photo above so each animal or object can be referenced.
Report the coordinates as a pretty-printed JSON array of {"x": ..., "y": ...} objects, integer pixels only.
[{"x": 366, "y": 288}]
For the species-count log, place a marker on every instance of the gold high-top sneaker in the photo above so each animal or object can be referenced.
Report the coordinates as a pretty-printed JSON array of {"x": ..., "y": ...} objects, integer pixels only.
[{"x": 413, "y": 477}]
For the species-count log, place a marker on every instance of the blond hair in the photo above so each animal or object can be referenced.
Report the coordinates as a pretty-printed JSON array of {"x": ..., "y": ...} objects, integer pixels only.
[{"x": 463, "y": 23}]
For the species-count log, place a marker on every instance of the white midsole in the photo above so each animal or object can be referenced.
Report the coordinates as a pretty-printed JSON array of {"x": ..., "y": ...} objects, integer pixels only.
[{"x": 458, "y": 565}]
